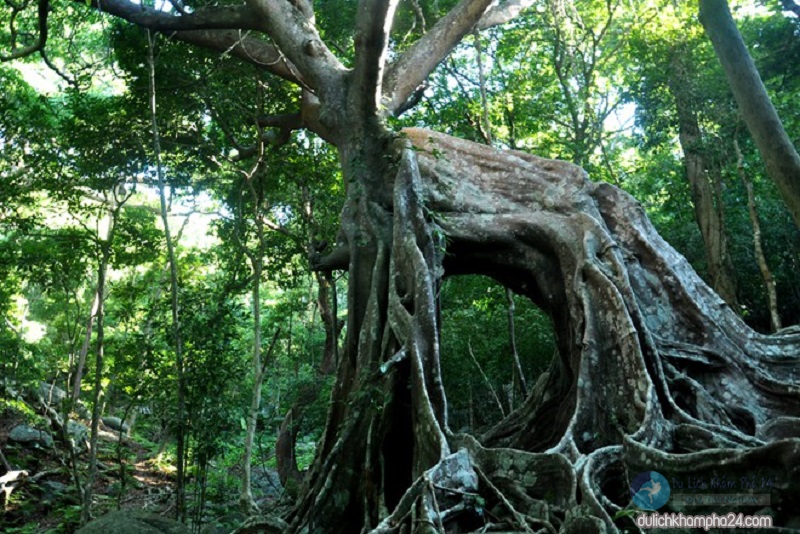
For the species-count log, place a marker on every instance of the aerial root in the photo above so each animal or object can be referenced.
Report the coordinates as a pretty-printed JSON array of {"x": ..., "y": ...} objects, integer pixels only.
[
  {"x": 519, "y": 519},
  {"x": 485, "y": 490}
]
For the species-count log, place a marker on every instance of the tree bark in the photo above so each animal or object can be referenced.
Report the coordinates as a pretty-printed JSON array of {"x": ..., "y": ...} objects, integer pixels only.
[
  {"x": 285, "y": 456},
  {"x": 704, "y": 178},
  {"x": 385, "y": 425},
  {"x": 326, "y": 300},
  {"x": 779, "y": 154}
]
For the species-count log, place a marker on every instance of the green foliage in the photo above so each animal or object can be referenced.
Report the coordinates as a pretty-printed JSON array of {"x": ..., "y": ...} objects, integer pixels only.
[
  {"x": 559, "y": 85},
  {"x": 672, "y": 49},
  {"x": 14, "y": 409},
  {"x": 475, "y": 317}
]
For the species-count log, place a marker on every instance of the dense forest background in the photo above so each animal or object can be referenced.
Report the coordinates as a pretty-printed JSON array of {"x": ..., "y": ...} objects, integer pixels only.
[{"x": 157, "y": 233}]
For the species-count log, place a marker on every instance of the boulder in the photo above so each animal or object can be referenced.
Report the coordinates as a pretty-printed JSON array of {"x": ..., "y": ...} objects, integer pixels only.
[
  {"x": 82, "y": 411},
  {"x": 133, "y": 522},
  {"x": 77, "y": 431},
  {"x": 53, "y": 491},
  {"x": 30, "y": 436},
  {"x": 115, "y": 423},
  {"x": 51, "y": 394},
  {"x": 54, "y": 486}
]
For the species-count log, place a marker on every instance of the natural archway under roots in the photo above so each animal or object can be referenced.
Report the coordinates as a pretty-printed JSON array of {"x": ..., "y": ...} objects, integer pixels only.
[{"x": 654, "y": 372}]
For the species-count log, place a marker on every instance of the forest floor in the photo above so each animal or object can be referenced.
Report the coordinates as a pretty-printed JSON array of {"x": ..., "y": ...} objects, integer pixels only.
[{"x": 131, "y": 475}]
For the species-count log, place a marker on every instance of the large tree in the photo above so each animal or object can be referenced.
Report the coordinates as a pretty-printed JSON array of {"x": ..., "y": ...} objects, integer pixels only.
[{"x": 653, "y": 372}]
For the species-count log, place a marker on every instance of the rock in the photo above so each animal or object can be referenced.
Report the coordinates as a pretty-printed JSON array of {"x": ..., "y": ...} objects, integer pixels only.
[
  {"x": 267, "y": 482},
  {"x": 53, "y": 491},
  {"x": 29, "y": 435},
  {"x": 225, "y": 524},
  {"x": 10, "y": 389},
  {"x": 263, "y": 525},
  {"x": 132, "y": 522},
  {"x": 82, "y": 411},
  {"x": 51, "y": 394},
  {"x": 53, "y": 486},
  {"x": 77, "y": 431},
  {"x": 213, "y": 529},
  {"x": 115, "y": 423}
]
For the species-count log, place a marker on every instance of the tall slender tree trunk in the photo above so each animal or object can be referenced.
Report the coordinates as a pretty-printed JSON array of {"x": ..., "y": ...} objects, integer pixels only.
[
  {"x": 258, "y": 368},
  {"x": 180, "y": 426},
  {"x": 87, "y": 340},
  {"x": 328, "y": 311},
  {"x": 246, "y": 500},
  {"x": 260, "y": 365},
  {"x": 758, "y": 249},
  {"x": 519, "y": 375},
  {"x": 102, "y": 272},
  {"x": 704, "y": 178},
  {"x": 779, "y": 154}
]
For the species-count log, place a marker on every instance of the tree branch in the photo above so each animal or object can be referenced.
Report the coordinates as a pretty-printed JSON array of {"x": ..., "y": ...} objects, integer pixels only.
[
  {"x": 503, "y": 13},
  {"x": 297, "y": 37},
  {"x": 371, "y": 44},
  {"x": 221, "y": 28},
  {"x": 244, "y": 46},
  {"x": 285, "y": 121},
  {"x": 414, "y": 66},
  {"x": 206, "y": 18},
  {"x": 791, "y": 5},
  {"x": 44, "y": 9}
]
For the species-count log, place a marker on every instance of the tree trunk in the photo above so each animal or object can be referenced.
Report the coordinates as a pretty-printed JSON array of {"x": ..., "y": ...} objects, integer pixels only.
[
  {"x": 517, "y": 373},
  {"x": 88, "y": 488},
  {"x": 779, "y": 154},
  {"x": 385, "y": 425},
  {"x": 259, "y": 368},
  {"x": 285, "y": 456},
  {"x": 761, "y": 259},
  {"x": 326, "y": 300},
  {"x": 791, "y": 5},
  {"x": 246, "y": 501},
  {"x": 704, "y": 178},
  {"x": 180, "y": 424},
  {"x": 87, "y": 340},
  {"x": 97, "y": 410},
  {"x": 650, "y": 360}
]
